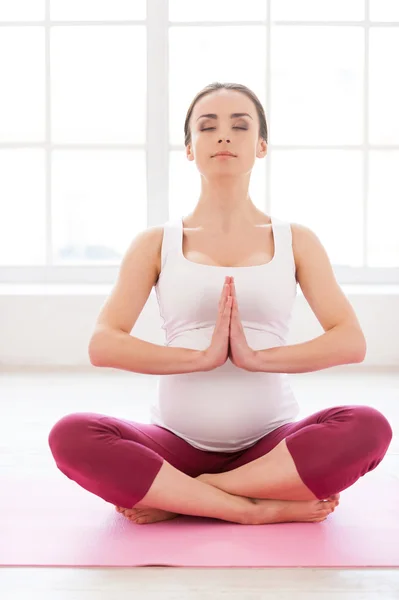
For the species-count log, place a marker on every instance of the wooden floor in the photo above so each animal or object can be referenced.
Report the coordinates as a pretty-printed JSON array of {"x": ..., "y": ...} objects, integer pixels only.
[{"x": 34, "y": 400}]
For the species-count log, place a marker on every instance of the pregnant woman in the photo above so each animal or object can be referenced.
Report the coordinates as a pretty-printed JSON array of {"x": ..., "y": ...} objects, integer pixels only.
[{"x": 223, "y": 441}]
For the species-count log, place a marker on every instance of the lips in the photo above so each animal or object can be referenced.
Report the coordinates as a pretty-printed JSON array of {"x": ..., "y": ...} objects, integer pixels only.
[{"x": 223, "y": 154}]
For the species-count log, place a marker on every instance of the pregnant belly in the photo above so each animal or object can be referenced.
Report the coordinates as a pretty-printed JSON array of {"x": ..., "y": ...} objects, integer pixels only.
[{"x": 227, "y": 404}]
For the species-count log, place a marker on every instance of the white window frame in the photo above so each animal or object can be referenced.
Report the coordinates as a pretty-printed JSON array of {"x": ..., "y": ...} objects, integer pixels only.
[{"x": 158, "y": 148}]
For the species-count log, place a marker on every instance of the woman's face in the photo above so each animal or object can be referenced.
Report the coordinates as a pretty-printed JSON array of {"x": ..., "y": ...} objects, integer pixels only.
[{"x": 239, "y": 135}]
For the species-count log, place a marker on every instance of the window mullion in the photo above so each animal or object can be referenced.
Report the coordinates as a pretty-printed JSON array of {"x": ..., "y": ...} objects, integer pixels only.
[{"x": 157, "y": 112}]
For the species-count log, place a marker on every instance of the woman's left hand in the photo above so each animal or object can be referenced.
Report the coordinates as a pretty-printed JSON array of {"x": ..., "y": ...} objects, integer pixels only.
[{"x": 240, "y": 354}]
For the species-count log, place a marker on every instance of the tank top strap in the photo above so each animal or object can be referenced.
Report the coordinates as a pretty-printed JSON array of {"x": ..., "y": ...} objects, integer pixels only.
[
  {"x": 282, "y": 231},
  {"x": 171, "y": 239},
  {"x": 283, "y": 241}
]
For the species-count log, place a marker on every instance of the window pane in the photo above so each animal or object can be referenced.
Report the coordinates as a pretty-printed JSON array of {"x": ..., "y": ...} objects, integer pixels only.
[
  {"x": 317, "y": 85},
  {"x": 98, "y": 84},
  {"x": 383, "y": 213},
  {"x": 384, "y": 86},
  {"x": 384, "y": 10},
  {"x": 204, "y": 63},
  {"x": 185, "y": 184},
  {"x": 314, "y": 10},
  {"x": 99, "y": 204},
  {"x": 22, "y": 96},
  {"x": 222, "y": 10},
  {"x": 22, "y": 10},
  {"x": 22, "y": 212},
  {"x": 322, "y": 190},
  {"x": 97, "y": 9}
]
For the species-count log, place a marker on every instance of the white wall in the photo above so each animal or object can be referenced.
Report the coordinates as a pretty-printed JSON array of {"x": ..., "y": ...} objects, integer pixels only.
[{"x": 50, "y": 325}]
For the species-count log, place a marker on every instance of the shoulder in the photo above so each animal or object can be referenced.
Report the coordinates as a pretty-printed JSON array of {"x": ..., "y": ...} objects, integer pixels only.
[
  {"x": 304, "y": 243},
  {"x": 301, "y": 233},
  {"x": 152, "y": 238},
  {"x": 147, "y": 245}
]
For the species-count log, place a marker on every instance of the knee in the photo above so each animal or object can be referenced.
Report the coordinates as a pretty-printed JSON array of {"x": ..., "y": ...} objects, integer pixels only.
[
  {"x": 373, "y": 427},
  {"x": 68, "y": 435}
]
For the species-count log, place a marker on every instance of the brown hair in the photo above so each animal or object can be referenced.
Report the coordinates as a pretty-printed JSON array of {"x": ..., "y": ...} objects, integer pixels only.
[{"x": 228, "y": 86}]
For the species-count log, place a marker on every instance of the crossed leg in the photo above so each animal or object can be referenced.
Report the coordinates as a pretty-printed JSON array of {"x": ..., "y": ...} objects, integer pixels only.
[
  {"x": 271, "y": 476},
  {"x": 313, "y": 458},
  {"x": 319, "y": 456}
]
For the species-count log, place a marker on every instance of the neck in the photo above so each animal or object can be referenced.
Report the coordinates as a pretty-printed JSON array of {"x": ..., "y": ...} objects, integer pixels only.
[{"x": 224, "y": 213}]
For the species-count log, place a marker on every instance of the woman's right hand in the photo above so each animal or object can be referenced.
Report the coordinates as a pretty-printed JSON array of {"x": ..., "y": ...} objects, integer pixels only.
[{"x": 218, "y": 352}]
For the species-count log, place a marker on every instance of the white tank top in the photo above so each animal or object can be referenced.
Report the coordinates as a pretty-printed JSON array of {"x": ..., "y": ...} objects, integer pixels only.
[{"x": 226, "y": 409}]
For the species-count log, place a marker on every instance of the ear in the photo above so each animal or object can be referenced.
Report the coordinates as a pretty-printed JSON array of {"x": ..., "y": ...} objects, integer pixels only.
[
  {"x": 262, "y": 148},
  {"x": 189, "y": 153}
]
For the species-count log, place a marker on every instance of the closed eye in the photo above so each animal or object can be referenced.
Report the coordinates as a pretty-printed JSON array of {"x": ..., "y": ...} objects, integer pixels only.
[{"x": 209, "y": 128}]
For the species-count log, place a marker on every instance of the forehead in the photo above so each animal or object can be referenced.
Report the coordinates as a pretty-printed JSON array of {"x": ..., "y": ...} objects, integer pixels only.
[{"x": 224, "y": 102}]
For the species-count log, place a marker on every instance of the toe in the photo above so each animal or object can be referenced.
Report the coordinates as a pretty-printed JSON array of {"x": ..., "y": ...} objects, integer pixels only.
[{"x": 335, "y": 498}]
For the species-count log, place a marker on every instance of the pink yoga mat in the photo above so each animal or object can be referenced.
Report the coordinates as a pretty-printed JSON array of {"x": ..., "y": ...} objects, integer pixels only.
[{"x": 54, "y": 522}]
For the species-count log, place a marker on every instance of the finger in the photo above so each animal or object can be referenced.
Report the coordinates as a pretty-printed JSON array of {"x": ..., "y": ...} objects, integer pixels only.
[
  {"x": 234, "y": 318},
  {"x": 227, "y": 310},
  {"x": 226, "y": 315},
  {"x": 232, "y": 305},
  {"x": 227, "y": 291},
  {"x": 223, "y": 296},
  {"x": 233, "y": 289},
  {"x": 222, "y": 303}
]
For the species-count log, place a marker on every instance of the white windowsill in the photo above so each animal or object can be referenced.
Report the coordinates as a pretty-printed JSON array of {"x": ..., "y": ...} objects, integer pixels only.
[{"x": 95, "y": 289}]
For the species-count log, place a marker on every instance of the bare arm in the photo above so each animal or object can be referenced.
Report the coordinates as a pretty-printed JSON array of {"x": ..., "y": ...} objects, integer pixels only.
[
  {"x": 343, "y": 341},
  {"x": 111, "y": 344},
  {"x": 340, "y": 345},
  {"x": 121, "y": 350}
]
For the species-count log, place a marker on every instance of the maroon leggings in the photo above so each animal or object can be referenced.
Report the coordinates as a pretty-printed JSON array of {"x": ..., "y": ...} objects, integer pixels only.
[{"x": 118, "y": 459}]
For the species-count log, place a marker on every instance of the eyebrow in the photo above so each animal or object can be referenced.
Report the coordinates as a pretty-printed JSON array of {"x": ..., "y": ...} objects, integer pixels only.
[{"x": 232, "y": 116}]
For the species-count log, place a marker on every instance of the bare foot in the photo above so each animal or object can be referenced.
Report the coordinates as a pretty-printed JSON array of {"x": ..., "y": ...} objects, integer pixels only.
[
  {"x": 267, "y": 511},
  {"x": 288, "y": 511},
  {"x": 291, "y": 511},
  {"x": 144, "y": 515}
]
